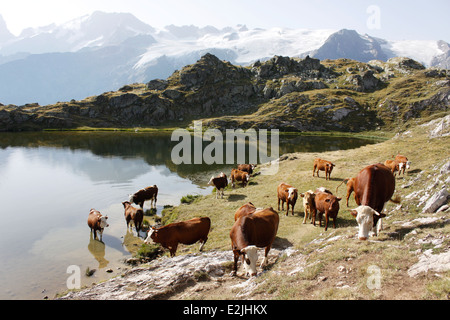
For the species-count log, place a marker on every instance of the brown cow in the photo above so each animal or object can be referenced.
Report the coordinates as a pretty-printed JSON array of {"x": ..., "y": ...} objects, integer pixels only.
[
  {"x": 350, "y": 187},
  {"x": 97, "y": 222},
  {"x": 287, "y": 193},
  {"x": 392, "y": 165},
  {"x": 247, "y": 168},
  {"x": 149, "y": 193},
  {"x": 328, "y": 204},
  {"x": 185, "y": 232},
  {"x": 219, "y": 182},
  {"x": 238, "y": 175},
  {"x": 403, "y": 163},
  {"x": 323, "y": 165},
  {"x": 135, "y": 214},
  {"x": 374, "y": 186},
  {"x": 308, "y": 204},
  {"x": 244, "y": 210},
  {"x": 256, "y": 230}
]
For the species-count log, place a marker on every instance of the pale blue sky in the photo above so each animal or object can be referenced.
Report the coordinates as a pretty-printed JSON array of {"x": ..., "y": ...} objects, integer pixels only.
[{"x": 395, "y": 20}]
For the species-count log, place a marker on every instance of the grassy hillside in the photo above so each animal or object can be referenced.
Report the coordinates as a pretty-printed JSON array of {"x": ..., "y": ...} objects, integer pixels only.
[{"x": 334, "y": 264}]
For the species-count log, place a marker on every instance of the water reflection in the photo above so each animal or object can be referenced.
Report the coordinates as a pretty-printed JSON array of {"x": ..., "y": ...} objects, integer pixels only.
[{"x": 98, "y": 250}]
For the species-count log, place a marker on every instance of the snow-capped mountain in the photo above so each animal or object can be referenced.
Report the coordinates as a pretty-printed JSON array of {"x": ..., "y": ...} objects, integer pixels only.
[{"x": 104, "y": 51}]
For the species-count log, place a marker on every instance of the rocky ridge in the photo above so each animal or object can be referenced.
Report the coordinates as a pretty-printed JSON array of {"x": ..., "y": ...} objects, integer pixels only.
[{"x": 285, "y": 93}]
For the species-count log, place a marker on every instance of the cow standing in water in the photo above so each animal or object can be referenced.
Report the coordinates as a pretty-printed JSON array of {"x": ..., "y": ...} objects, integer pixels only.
[
  {"x": 149, "y": 193},
  {"x": 97, "y": 222}
]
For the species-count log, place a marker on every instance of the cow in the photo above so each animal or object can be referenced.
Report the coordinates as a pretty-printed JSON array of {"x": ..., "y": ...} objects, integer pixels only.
[
  {"x": 350, "y": 187},
  {"x": 238, "y": 175},
  {"x": 308, "y": 204},
  {"x": 149, "y": 193},
  {"x": 328, "y": 204},
  {"x": 287, "y": 193},
  {"x": 186, "y": 232},
  {"x": 323, "y": 165},
  {"x": 247, "y": 168},
  {"x": 244, "y": 210},
  {"x": 373, "y": 186},
  {"x": 256, "y": 230},
  {"x": 97, "y": 222},
  {"x": 219, "y": 182},
  {"x": 403, "y": 163},
  {"x": 135, "y": 214},
  {"x": 392, "y": 165}
]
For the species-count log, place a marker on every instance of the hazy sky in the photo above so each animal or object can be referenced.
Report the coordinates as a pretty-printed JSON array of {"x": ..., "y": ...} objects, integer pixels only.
[{"x": 395, "y": 20}]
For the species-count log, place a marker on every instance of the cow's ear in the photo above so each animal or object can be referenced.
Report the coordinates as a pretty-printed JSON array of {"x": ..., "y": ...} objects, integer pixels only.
[
  {"x": 354, "y": 213},
  {"x": 302, "y": 195},
  {"x": 338, "y": 199},
  {"x": 382, "y": 215}
]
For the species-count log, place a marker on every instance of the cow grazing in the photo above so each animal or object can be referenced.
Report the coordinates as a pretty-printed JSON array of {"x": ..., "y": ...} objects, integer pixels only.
[
  {"x": 133, "y": 214},
  {"x": 238, "y": 175},
  {"x": 256, "y": 230},
  {"x": 287, "y": 193},
  {"x": 364, "y": 217},
  {"x": 308, "y": 204},
  {"x": 149, "y": 193},
  {"x": 392, "y": 165},
  {"x": 403, "y": 163},
  {"x": 97, "y": 222},
  {"x": 185, "y": 232},
  {"x": 350, "y": 187},
  {"x": 247, "y": 168},
  {"x": 373, "y": 186},
  {"x": 219, "y": 182},
  {"x": 328, "y": 204},
  {"x": 244, "y": 210},
  {"x": 323, "y": 165}
]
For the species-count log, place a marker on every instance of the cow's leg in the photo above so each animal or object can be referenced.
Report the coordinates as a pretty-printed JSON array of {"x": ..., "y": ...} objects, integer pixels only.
[
  {"x": 173, "y": 249},
  {"x": 287, "y": 208},
  {"x": 266, "y": 253},
  {"x": 292, "y": 209},
  {"x": 236, "y": 258},
  {"x": 326, "y": 220},
  {"x": 278, "y": 204},
  {"x": 203, "y": 243}
]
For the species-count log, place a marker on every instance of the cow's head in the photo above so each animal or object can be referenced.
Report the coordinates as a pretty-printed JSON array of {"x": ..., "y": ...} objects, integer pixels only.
[
  {"x": 151, "y": 235},
  {"x": 210, "y": 183},
  {"x": 130, "y": 197},
  {"x": 102, "y": 222},
  {"x": 330, "y": 166},
  {"x": 250, "y": 258},
  {"x": 364, "y": 218},
  {"x": 291, "y": 193},
  {"x": 333, "y": 203},
  {"x": 126, "y": 204}
]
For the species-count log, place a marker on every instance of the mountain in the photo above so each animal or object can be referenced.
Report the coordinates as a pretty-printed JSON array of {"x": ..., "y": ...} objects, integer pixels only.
[
  {"x": 351, "y": 45},
  {"x": 289, "y": 94},
  {"x": 105, "y": 51}
]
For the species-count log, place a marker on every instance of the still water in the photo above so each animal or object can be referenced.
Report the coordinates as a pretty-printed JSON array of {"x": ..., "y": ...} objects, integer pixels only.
[{"x": 50, "y": 181}]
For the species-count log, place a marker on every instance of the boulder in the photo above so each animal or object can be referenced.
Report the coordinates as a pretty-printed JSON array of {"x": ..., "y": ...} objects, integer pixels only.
[{"x": 439, "y": 199}]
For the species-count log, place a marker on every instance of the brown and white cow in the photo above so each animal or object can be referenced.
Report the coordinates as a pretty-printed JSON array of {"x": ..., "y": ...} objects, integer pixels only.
[
  {"x": 133, "y": 214},
  {"x": 392, "y": 165},
  {"x": 149, "y": 193},
  {"x": 256, "y": 230},
  {"x": 185, "y": 232},
  {"x": 289, "y": 194},
  {"x": 247, "y": 168},
  {"x": 350, "y": 187},
  {"x": 374, "y": 186},
  {"x": 323, "y": 165},
  {"x": 238, "y": 175},
  {"x": 244, "y": 210},
  {"x": 308, "y": 205},
  {"x": 328, "y": 204},
  {"x": 403, "y": 163},
  {"x": 97, "y": 222},
  {"x": 219, "y": 182}
]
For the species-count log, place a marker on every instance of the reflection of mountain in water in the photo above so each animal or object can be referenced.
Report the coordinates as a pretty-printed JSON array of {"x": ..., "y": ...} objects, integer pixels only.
[{"x": 154, "y": 148}]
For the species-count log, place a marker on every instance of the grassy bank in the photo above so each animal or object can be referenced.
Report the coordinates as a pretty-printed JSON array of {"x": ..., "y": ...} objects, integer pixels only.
[{"x": 328, "y": 264}]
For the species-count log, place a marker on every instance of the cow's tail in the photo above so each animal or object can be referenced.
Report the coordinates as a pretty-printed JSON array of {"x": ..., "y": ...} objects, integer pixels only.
[{"x": 341, "y": 183}]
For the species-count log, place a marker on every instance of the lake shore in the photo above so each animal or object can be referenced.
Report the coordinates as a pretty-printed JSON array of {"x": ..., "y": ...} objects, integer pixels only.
[{"x": 306, "y": 262}]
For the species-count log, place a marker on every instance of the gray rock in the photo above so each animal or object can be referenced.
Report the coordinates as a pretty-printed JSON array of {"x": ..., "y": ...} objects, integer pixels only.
[{"x": 436, "y": 201}]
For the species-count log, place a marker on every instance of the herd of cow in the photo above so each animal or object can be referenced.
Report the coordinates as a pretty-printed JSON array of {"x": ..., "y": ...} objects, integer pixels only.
[{"x": 257, "y": 227}]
